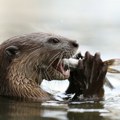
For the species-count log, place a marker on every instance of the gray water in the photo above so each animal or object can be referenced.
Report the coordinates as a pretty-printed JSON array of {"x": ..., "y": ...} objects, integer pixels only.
[{"x": 94, "y": 24}]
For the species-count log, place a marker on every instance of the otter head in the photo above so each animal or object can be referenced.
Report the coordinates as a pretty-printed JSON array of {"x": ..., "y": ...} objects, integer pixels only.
[{"x": 30, "y": 58}]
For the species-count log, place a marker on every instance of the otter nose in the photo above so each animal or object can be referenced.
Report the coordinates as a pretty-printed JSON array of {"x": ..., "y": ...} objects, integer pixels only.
[{"x": 74, "y": 44}]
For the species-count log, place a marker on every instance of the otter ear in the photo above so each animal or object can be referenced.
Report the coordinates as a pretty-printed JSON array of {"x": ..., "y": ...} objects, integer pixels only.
[{"x": 12, "y": 51}]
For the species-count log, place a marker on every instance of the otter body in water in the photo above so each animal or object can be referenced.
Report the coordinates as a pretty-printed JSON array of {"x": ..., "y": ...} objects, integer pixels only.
[{"x": 26, "y": 60}]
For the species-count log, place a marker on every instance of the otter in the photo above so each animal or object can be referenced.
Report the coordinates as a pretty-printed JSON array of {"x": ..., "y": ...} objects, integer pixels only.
[{"x": 28, "y": 59}]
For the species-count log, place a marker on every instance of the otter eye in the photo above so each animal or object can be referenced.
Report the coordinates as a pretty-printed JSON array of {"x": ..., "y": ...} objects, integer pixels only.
[{"x": 53, "y": 40}]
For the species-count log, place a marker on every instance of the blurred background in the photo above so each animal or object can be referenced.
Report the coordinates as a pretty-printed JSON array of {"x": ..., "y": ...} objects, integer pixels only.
[{"x": 94, "y": 23}]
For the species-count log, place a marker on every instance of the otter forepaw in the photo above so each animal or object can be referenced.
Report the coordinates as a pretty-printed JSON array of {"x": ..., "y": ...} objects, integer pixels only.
[{"x": 88, "y": 78}]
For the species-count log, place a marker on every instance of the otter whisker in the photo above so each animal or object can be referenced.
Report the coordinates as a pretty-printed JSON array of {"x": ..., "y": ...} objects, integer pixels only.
[
  {"x": 39, "y": 77},
  {"x": 55, "y": 57},
  {"x": 46, "y": 77},
  {"x": 45, "y": 68},
  {"x": 44, "y": 72},
  {"x": 60, "y": 59},
  {"x": 71, "y": 53}
]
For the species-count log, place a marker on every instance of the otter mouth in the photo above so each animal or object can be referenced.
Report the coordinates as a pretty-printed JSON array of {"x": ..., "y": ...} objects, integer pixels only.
[{"x": 61, "y": 67}]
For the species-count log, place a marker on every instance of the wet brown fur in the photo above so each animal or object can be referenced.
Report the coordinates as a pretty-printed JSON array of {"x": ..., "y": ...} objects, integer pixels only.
[{"x": 23, "y": 60}]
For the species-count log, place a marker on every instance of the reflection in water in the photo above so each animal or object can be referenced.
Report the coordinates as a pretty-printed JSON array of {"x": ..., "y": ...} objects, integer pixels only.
[
  {"x": 19, "y": 110},
  {"x": 85, "y": 111},
  {"x": 85, "y": 116},
  {"x": 16, "y": 110}
]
